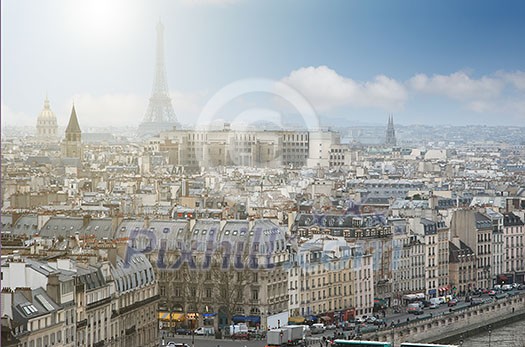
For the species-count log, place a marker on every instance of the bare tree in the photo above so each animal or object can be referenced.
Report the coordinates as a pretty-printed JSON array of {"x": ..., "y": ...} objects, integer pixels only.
[{"x": 231, "y": 289}]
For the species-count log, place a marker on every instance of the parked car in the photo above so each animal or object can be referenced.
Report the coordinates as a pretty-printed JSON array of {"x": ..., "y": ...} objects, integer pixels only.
[
  {"x": 415, "y": 309},
  {"x": 330, "y": 327},
  {"x": 371, "y": 319},
  {"x": 177, "y": 344},
  {"x": 426, "y": 303},
  {"x": 360, "y": 320},
  {"x": 452, "y": 302},
  {"x": 476, "y": 301},
  {"x": 183, "y": 331},
  {"x": 317, "y": 328},
  {"x": 433, "y": 306},
  {"x": 379, "y": 322},
  {"x": 492, "y": 292},
  {"x": 506, "y": 287}
]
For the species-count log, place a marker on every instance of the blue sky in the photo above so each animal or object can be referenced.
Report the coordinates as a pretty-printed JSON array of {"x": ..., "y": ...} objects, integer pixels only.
[{"x": 427, "y": 62}]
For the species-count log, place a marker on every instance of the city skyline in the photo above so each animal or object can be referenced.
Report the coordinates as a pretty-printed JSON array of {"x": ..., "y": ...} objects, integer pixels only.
[{"x": 354, "y": 62}]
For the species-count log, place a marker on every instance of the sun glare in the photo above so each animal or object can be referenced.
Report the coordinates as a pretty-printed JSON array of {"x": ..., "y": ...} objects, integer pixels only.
[{"x": 101, "y": 21}]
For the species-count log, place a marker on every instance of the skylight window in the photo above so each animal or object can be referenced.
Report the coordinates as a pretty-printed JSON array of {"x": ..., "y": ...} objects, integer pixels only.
[{"x": 47, "y": 305}]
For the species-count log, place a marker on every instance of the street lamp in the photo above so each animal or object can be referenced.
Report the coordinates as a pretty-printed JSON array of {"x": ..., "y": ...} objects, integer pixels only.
[
  {"x": 490, "y": 333},
  {"x": 393, "y": 336},
  {"x": 461, "y": 340}
]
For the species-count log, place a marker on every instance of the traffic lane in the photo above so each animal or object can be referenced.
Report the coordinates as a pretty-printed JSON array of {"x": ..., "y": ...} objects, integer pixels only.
[
  {"x": 212, "y": 342},
  {"x": 402, "y": 317}
]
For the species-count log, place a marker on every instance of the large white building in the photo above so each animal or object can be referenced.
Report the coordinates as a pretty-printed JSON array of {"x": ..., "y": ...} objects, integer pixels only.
[{"x": 195, "y": 149}]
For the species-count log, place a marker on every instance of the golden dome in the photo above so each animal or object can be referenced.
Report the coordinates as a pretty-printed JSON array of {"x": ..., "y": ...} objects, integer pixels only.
[{"x": 47, "y": 114}]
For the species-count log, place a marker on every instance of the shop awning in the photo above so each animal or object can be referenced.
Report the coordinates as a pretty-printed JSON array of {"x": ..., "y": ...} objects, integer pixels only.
[
  {"x": 312, "y": 318},
  {"x": 209, "y": 315},
  {"x": 164, "y": 316},
  {"x": 296, "y": 320},
  {"x": 253, "y": 319},
  {"x": 179, "y": 317},
  {"x": 238, "y": 318},
  {"x": 326, "y": 318},
  {"x": 175, "y": 317}
]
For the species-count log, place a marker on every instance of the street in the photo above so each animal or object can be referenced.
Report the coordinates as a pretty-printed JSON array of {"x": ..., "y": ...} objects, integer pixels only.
[{"x": 396, "y": 318}]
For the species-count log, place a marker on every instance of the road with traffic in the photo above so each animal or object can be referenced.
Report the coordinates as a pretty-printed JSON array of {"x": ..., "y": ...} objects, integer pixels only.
[{"x": 315, "y": 340}]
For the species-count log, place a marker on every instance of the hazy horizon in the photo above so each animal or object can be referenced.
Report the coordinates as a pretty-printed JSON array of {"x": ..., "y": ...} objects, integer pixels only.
[{"x": 354, "y": 62}]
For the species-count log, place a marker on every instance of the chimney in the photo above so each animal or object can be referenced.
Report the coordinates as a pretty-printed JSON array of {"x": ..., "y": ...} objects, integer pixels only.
[
  {"x": 26, "y": 292},
  {"x": 122, "y": 248},
  {"x": 85, "y": 220},
  {"x": 112, "y": 256},
  {"x": 116, "y": 219},
  {"x": 7, "y": 302},
  {"x": 53, "y": 287}
]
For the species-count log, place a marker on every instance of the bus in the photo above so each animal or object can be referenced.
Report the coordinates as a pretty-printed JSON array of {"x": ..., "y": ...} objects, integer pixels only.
[
  {"x": 348, "y": 343},
  {"x": 414, "y": 344}
]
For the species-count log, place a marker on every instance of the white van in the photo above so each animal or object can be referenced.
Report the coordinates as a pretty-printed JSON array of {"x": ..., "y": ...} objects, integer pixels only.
[
  {"x": 435, "y": 301},
  {"x": 206, "y": 331}
]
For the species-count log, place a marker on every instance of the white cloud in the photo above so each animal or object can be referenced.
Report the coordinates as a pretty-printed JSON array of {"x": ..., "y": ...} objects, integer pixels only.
[
  {"x": 479, "y": 106},
  {"x": 14, "y": 118},
  {"x": 325, "y": 89},
  {"x": 458, "y": 85},
  {"x": 125, "y": 109},
  {"x": 516, "y": 79},
  {"x": 187, "y": 105},
  {"x": 105, "y": 110}
]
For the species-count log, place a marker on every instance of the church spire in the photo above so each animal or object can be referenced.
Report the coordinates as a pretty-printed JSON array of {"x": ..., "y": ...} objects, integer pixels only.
[
  {"x": 390, "y": 132},
  {"x": 72, "y": 144},
  {"x": 72, "y": 126}
]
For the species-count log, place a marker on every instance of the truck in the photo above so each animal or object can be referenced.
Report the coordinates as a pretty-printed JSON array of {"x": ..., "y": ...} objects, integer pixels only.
[
  {"x": 289, "y": 335},
  {"x": 294, "y": 333},
  {"x": 238, "y": 328}
]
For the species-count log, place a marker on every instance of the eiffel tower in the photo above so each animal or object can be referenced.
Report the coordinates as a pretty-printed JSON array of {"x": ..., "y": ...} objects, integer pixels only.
[{"x": 159, "y": 115}]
